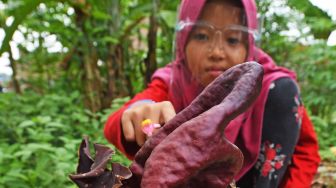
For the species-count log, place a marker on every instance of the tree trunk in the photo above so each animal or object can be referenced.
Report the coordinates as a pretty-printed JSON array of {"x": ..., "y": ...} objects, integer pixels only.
[
  {"x": 111, "y": 88},
  {"x": 116, "y": 76},
  {"x": 16, "y": 83},
  {"x": 91, "y": 77},
  {"x": 119, "y": 84},
  {"x": 150, "y": 60},
  {"x": 92, "y": 84}
]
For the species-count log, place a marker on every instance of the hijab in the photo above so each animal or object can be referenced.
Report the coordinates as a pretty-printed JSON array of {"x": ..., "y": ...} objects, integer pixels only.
[{"x": 245, "y": 130}]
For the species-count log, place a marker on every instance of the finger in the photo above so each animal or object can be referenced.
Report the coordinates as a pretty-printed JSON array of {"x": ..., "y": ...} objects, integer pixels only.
[
  {"x": 154, "y": 114},
  {"x": 127, "y": 127},
  {"x": 140, "y": 137},
  {"x": 168, "y": 112}
]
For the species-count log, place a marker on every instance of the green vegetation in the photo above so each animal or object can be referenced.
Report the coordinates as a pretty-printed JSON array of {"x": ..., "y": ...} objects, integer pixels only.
[
  {"x": 109, "y": 49},
  {"x": 40, "y": 136}
]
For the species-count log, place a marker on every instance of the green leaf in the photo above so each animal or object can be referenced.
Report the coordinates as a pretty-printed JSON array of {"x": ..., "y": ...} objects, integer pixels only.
[
  {"x": 321, "y": 22},
  {"x": 25, "y": 124},
  {"x": 42, "y": 119},
  {"x": 100, "y": 15},
  {"x": 34, "y": 147},
  {"x": 24, "y": 154},
  {"x": 20, "y": 14},
  {"x": 169, "y": 17},
  {"x": 14, "y": 175},
  {"x": 109, "y": 39}
]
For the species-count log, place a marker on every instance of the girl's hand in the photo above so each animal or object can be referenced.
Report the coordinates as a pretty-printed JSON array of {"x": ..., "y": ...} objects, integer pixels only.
[{"x": 131, "y": 119}]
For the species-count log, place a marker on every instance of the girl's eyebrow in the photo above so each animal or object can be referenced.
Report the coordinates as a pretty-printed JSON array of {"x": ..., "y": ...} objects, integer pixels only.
[{"x": 231, "y": 26}]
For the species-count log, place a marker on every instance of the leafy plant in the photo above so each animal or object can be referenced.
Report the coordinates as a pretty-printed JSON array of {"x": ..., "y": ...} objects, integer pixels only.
[{"x": 40, "y": 136}]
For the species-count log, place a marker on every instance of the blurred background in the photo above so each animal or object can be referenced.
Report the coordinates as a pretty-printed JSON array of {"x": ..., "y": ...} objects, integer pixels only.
[{"x": 65, "y": 65}]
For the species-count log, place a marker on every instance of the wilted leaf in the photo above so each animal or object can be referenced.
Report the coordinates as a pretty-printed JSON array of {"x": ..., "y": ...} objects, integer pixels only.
[{"x": 94, "y": 172}]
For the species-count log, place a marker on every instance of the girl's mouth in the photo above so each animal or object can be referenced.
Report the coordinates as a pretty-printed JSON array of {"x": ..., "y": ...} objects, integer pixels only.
[{"x": 215, "y": 72}]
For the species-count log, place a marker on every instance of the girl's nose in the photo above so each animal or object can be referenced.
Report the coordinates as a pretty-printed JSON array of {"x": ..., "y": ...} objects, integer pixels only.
[{"x": 216, "y": 48}]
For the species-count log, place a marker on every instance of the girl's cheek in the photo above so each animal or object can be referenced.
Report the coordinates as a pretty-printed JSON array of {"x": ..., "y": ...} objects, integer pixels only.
[
  {"x": 239, "y": 57},
  {"x": 191, "y": 57}
]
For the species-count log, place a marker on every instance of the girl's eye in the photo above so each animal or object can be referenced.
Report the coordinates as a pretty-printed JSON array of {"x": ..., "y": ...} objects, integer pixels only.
[
  {"x": 234, "y": 38},
  {"x": 200, "y": 36},
  {"x": 233, "y": 41}
]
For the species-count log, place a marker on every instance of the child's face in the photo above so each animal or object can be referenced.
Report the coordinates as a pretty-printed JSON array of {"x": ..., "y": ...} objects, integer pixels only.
[{"x": 209, "y": 52}]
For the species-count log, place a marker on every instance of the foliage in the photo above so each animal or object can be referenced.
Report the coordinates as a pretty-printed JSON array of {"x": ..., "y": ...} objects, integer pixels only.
[
  {"x": 40, "y": 135},
  {"x": 318, "y": 20},
  {"x": 317, "y": 77},
  {"x": 27, "y": 7},
  {"x": 102, "y": 45}
]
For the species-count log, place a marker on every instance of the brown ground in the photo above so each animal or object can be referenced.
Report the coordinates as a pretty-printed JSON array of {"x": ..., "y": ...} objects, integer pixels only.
[{"x": 326, "y": 176}]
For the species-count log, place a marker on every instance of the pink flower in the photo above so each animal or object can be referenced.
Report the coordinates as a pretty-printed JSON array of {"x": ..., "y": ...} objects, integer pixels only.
[{"x": 148, "y": 127}]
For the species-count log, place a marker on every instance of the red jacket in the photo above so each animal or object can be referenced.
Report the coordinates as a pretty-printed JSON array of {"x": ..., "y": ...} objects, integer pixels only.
[{"x": 300, "y": 172}]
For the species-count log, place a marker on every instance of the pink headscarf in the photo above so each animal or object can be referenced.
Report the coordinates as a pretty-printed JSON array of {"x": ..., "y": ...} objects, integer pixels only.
[{"x": 245, "y": 130}]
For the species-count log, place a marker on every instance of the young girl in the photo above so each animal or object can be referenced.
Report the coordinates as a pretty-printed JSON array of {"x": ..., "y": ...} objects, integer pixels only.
[{"x": 275, "y": 134}]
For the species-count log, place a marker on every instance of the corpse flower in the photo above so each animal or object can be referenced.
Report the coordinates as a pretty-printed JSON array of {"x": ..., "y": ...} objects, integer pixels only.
[{"x": 190, "y": 150}]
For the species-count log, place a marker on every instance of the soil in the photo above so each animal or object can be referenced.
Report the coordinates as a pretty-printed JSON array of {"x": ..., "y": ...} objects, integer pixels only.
[{"x": 326, "y": 176}]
